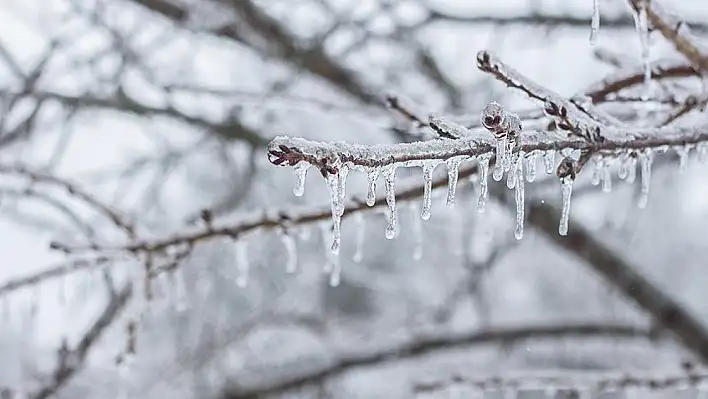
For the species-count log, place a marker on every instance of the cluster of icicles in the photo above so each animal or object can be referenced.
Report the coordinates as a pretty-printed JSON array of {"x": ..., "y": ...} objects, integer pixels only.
[{"x": 519, "y": 168}]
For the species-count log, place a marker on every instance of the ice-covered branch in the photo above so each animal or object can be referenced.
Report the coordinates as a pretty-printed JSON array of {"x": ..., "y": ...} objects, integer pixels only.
[
  {"x": 625, "y": 78},
  {"x": 351, "y": 361},
  {"x": 329, "y": 156},
  {"x": 674, "y": 30},
  {"x": 51, "y": 272}
]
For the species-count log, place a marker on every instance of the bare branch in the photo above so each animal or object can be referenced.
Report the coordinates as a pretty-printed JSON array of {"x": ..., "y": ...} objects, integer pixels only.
[
  {"x": 346, "y": 362},
  {"x": 70, "y": 361},
  {"x": 574, "y": 382}
]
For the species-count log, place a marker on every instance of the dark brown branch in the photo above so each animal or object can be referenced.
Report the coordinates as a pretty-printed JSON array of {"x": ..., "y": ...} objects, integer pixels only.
[
  {"x": 51, "y": 272},
  {"x": 70, "y": 361},
  {"x": 425, "y": 346}
]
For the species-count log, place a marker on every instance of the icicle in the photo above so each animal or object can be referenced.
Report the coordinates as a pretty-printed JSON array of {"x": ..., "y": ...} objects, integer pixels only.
[
  {"x": 304, "y": 233},
  {"x": 645, "y": 159},
  {"x": 549, "y": 161},
  {"x": 519, "y": 196},
  {"x": 511, "y": 176},
  {"x": 501, "y": 153},
  {"x": 642, "y": 25},
  {"x": 325, "y": 231},
  {"x": 702, "y": 149},
  {"x": 483, "y": 161},
  {"x": 389, "y": 179},
  {"x": 372, "y": 176},
  {"x": 180, "y": 287},
  {"x": 595, "y": 24},
  {"x": 337, "y": 185},
  {"x": 417, "y": 232},
  {"x": 360, "y": 235},
  {"x": 623, "y": 170},
  {"x": 596, "y": 171},
  {"x": 452, "y": 172},
  {"x": 335, "y": 276},
  {"x": 683, "y": 152},
  {"x": 428, "y": 168},
  {"x": 632, "y": 171},
  {"x": 241, "y": 247},
  {"x": 606, "y": 176},
  {"x": 531, "y": 167},
  {"x": 290, "y": 250},
  {"x": 567, "y": 187},
  {"x": 300, "y": 173}
]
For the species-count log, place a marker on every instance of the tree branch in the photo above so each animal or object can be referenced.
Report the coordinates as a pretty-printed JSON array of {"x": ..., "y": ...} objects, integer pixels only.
[
  {"x": 424, "y": 346},
  {"x": 70, "y": 361}
]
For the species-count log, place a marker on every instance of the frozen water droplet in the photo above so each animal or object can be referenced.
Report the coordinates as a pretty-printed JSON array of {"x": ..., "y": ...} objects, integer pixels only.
[
  {"x": 549, "y": 161},
  {"x": 453, "y": 165},
  {"x": 519, "y": 196},
  {"x": 595, "y": 23},
  {"x": 645, "y": 160},
  {"x": 428, "y": 168},
  {"x": 531, "y": 167},
  {"x": 417, "y": 232},
  {"x": 483, "y": 161},
  {"x": 389, "y": 179},
  {"x": 567, "y": 189},
  {"x": 372, "y": 176},
  {"x": 241, "y": 248},
  {"x": 290, "y": 251},
  {"x": 360, "y": 236},
  {"x": 500, "y": 154},
  {"x": 300, "y": 174}
]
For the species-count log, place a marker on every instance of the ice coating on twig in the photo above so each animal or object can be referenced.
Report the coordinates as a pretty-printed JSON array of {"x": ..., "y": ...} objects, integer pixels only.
[{"x": 567, "y": 192}]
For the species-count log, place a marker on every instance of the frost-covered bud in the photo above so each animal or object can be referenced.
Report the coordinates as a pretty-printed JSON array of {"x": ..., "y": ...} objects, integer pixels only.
[
  {"x": 492, "y": 117},
  {"x": 567, "y": 168},
  {"x": 511, "y": 124}
]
